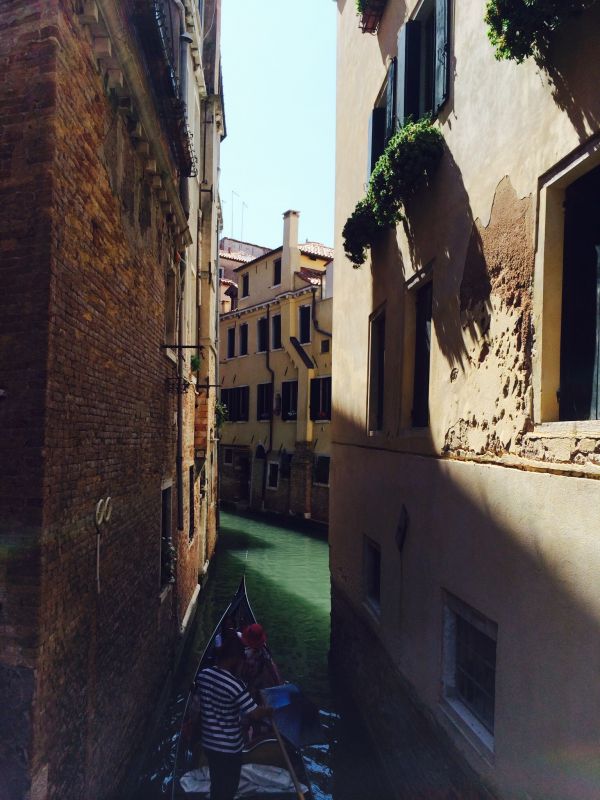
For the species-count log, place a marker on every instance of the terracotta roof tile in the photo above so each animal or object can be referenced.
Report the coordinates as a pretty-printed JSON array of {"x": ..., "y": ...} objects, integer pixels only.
[
  {"x": 316, "y": 249},
  {"x": 313, "y": 276},
  {"x": 243, "y": 258}
]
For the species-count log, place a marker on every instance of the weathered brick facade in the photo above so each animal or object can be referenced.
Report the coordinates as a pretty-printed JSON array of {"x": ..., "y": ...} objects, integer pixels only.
[{"x": 86, "y": 640}]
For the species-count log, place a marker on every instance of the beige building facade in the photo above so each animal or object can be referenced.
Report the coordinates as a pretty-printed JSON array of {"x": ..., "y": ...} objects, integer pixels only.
[
  {"x": 465, "y": 570},
  {"x": 275, "y": 375}
]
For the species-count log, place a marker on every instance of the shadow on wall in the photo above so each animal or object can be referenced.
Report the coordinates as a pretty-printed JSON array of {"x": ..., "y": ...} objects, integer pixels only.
[
  {"x": 574, "y": 80},
  {"x": 519, "y": 548}
]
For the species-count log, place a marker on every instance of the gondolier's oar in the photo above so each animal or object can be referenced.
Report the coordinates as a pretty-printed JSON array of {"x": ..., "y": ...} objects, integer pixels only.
[{"x": 288, "y": 763}]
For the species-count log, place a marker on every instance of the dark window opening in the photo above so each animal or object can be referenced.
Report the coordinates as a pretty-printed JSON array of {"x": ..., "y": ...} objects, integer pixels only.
[
  {"x": 228, "y": 456},
  {"x": 273, "y": 475},
  {"x": 192, "y": 496},
  {"x": 167, "y": 551},
  {"x": 320, "y": 399},
  {"x": 289, "y": 400},
  {"x": 244, "y": 339},
  {"x": 579, "y": 394},
  {"x": 277, "y": 272},
  {"x": 262, "y": 332},
  {"x": 382, "y": 123},
  {"x": 321, "y": 470},
  {"x": 245, "y": 285},
  {"x": 286, "y": 465},
  {"x": 372, "y": 573},
  {"x": 325, "y": 346},
  {"x": 377, "y": 371},
  {"x": 276, "y": 332},
  {"x": 420, "y": 410},
  {"x": 264, "y": 401},
  {"x": 230, "y": 342},
  {"x": 304, "y": 324},
  {"x": 237, "y": 402}
]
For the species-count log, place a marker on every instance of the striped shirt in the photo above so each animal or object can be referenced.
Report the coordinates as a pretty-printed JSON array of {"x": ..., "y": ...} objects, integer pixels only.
[{"x": 224, "y": 700}]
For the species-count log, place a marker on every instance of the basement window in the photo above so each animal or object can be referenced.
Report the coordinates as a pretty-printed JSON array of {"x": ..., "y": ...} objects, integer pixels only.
[
  {"x": 470, "y": 668},
  {"x": 372, "y": 574},
  {"x": 273, "y": 475}
]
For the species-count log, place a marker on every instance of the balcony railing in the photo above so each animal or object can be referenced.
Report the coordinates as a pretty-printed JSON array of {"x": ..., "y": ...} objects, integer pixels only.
[{"x": 370, "y": 13}]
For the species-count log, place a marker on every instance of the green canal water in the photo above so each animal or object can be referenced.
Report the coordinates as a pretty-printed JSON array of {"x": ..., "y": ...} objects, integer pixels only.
[{"x": 287, "y": 575}]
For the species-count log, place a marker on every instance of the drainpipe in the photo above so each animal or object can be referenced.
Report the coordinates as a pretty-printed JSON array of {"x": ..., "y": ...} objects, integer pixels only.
[
  {"x": 180, "y": 379},
  {"x": 314, "y": 315},
  {"x": 268, "y": 365}
]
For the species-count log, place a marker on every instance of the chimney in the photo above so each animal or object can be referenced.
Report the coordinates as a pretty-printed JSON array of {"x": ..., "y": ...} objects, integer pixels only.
[{"x": 290, "y": 257}]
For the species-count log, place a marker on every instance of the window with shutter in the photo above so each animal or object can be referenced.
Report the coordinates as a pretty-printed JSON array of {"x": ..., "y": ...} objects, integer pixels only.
[
  {"x": 262, "y": 331},
  {"x": 276, "y": 325},
  {"x": 422, "y": 83},
  {"x": 277, "y": 272},
  {"x": 244, "y": 339},
  {"x": 579, "y": 395},
  {"x": 320, "y": 399},
  {"x": 230, "y": 342},
  {"x": 304, "y": 324},
  {"x": 289, "y": 400},
  {"x": 245, "y": 285},
  {"x": 420, "y": 410},
  {"x": 264, "y": 401},
  {"x": 382, "y": 123},
  {"x": 376, "y": 370}
]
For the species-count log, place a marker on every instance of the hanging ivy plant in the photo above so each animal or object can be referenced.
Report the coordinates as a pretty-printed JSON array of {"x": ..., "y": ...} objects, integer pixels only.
[
  {"x": 522, "y": 28},
  {"x": 221, "y": 414},
  {"x": 409, "y": 160}
]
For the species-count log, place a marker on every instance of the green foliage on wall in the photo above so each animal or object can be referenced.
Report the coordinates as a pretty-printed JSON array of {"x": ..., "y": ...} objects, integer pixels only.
[
  {"x": 409, "y": 160},
  {"x": 221, "y": 414},
  {"x": 522, "y": 28}
]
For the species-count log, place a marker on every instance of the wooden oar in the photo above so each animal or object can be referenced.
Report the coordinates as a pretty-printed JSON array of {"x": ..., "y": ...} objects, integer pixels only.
[{"x": 288, "y": 763}]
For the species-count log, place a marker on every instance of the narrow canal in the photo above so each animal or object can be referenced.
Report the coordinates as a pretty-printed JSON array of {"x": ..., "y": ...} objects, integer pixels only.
[{"x": 287, "y": 574}]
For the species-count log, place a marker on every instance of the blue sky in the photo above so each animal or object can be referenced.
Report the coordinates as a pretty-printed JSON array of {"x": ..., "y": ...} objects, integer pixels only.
[{"x": 279, "y": 83}]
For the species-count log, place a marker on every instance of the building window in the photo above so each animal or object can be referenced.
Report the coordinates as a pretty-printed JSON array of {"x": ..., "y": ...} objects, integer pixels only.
[
  {"x": 273, "y": 475},
  {"x": 289, "y": 400},
  {"x": 470, "y": 667},
  {"x": 276, "y": 325},
  {"x": 286, "y": 465},
  {"x": 245, "y": 284},
  {"x": 228, "y": 456},
  {"x": 325, "y": 345},
  {"x": 320, "y": 399},
  {"x": 423, "y": 307},
  {"x": 423, "y": 56},
  {"x": 192, "y": 494},
  {"x": 376, "y": 370},
  {"x": 171, "y": 306},
  {"x": 277, "y": 272},
  {"x": 264, "y": 401},
  {"x": 372, "y": 574},
  {"x": 304, "y": 317},
  {"x": 579, "y": 392},
  {"x": 262, "y": 335},
  {"x": 321, "y": 470},
  {"x": 230, "y": 342},
  {"x": 237, "y": 402},
  {"x": 383, "y": 118},
  {"x": 167, "y": 551},
  {"x": 244, "y": 339}
]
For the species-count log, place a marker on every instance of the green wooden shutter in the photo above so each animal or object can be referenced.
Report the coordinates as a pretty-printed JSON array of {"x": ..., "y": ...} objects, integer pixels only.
[
  {"x": 442, "y": 53},
  {"x": 376, "y": 138},
  {"x": 408, "y": 72},
  {"x": 390, "y": 102}
]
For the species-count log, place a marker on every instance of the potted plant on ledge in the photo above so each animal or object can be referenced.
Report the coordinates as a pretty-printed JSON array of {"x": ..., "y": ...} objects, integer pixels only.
[{"x": 370, "y": 12}]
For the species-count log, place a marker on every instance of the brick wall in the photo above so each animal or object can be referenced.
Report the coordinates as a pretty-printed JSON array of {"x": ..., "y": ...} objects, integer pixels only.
[{"x": 84, "y": 250}]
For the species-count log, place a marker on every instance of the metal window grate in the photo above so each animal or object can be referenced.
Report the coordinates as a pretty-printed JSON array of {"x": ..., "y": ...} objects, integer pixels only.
[{"x": 475, "y": 671}]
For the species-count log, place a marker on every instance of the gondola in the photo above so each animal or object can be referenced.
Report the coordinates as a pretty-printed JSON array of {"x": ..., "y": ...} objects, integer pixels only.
[{"x": 267, "y": 753}]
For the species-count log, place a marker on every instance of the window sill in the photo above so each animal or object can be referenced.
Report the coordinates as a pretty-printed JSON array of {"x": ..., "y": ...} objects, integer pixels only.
[
  {"x": 170, "y": 355},
  {"x": 469, "y": 726},
  {"x": 321, "y": 421},
  {"x": 576, "y": 429},
  {"x": 164, "y": 593}
]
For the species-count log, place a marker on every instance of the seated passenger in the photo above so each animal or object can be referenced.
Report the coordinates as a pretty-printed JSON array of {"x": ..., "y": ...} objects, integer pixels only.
[{"x": 258, "y": 670}]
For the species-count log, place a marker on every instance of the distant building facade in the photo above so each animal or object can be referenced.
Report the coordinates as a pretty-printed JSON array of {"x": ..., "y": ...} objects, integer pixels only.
[
  {"x": 275, "y": 375},
  {"x": 107, "y": 452},
  {"x": 464, "y": 520}
]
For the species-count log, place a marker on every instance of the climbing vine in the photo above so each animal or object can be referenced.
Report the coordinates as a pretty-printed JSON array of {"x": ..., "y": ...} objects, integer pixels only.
[
  {"x": 521, "y": 28},
  {"x": 409, "y": 160}
]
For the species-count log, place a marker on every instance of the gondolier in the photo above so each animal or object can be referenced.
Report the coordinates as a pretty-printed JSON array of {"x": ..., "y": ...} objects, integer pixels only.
[{"x": 224, "y": 701}]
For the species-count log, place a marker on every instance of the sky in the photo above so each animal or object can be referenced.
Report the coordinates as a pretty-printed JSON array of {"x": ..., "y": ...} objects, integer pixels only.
[{"x": 278, "y": 61}]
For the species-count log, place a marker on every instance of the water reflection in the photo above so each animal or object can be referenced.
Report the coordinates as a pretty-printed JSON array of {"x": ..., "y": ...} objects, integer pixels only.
[{"x": 287, "y": 575}]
